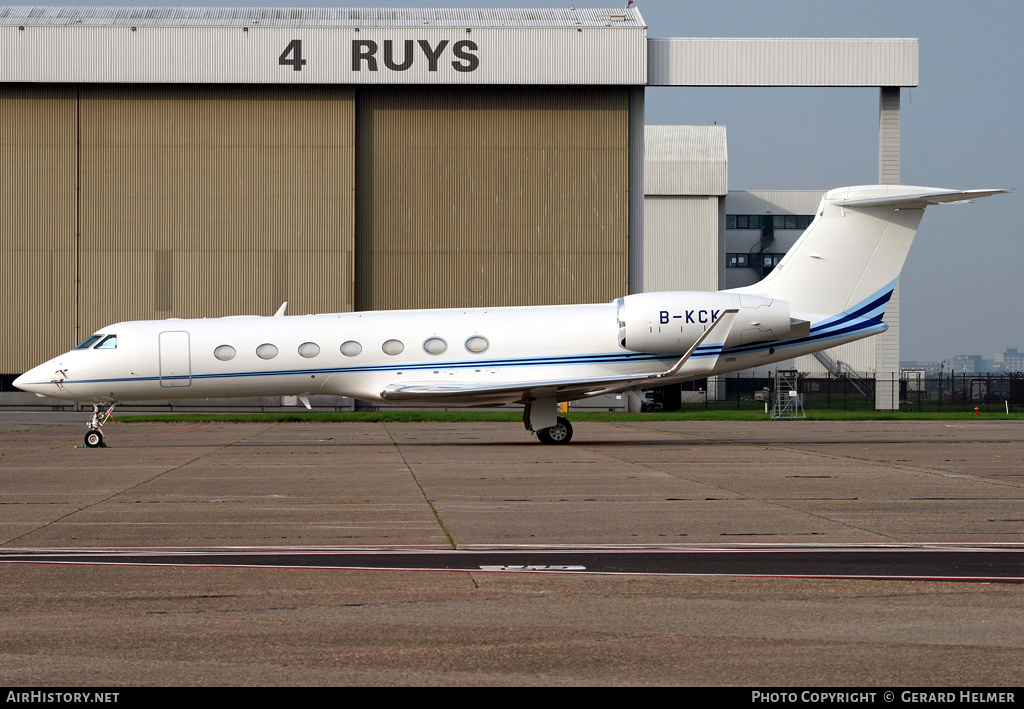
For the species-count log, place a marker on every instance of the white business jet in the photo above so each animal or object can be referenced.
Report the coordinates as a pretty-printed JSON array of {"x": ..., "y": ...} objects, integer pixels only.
[{"x": 831, "y": 288}]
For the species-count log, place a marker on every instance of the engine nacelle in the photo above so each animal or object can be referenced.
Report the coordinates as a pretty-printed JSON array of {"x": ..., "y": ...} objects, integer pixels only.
[{"x": 670, "y": 322}]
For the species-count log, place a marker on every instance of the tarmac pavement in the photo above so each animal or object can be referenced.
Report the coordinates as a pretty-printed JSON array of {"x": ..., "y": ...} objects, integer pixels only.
[{"x": 436, "y": 486}]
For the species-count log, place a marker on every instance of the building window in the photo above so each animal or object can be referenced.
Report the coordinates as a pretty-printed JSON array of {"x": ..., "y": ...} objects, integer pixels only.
[
  {"x": 753, "y": 260},
  {"x": 776, "y": 221}
]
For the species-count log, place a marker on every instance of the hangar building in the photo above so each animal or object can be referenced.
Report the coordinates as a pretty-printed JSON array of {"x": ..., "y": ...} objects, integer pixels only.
[{"x": 189, "y": 162}]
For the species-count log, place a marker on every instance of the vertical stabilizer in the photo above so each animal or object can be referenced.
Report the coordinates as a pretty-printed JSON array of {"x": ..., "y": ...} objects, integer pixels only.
[{"x": 848, "y": 259}]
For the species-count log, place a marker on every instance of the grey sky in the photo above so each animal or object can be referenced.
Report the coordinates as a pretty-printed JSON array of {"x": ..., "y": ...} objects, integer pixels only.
[{"x": 961, "y": 289}]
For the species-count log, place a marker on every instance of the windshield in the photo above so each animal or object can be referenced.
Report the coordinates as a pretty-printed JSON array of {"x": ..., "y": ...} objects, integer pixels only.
[
  {"x": 108, "y": 343},
  {"x": 88, "y": 342}
]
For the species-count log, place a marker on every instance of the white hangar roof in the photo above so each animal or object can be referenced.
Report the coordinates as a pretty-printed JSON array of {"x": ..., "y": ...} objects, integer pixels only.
[
  {"x": 584, "y": 46},
  {"x": 322, "y": 46},
  {"x": 318, "y": 17},
  {"x": 797, "y": 61}
]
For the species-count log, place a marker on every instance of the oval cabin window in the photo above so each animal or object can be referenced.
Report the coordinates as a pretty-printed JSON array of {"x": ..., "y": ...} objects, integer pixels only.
[
  {"x": 435, "y": 346},
  {"x": 309, "y": 349},
  {"x": 477, "y": 344},
  {"x": 224, "y": 353},
  {"x": 393, "y": 347},
  {"x": 266, "y": 351},
  {"x": 351, "y": 348}
]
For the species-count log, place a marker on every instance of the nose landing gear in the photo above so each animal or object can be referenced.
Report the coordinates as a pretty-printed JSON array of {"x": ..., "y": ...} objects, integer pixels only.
[{"x": 100, "y": 414}]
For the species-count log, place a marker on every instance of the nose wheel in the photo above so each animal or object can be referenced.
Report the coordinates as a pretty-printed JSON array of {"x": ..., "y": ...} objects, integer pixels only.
[
  {"x": 94, "y": 439},
  {"x": 100, "y": 415}
]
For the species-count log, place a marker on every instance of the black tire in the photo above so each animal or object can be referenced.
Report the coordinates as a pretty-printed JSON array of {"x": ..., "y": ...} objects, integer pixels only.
[
  {"x": 559, "y": 434},
  {"x": 94, "y": 439}
]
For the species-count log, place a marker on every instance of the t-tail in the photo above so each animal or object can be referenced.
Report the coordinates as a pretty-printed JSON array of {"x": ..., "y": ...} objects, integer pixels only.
[{"x": 845, "y": 265}]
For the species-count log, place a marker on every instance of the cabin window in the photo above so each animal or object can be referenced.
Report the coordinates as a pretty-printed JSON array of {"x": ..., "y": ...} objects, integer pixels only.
[
  {"x": 88, "y": 342},
  {"x": 108, "y": 343},
  {"x": 266, "y": 351},
  {"x": 393, "y": 347},
  {"x": 435, "y": 346},
  {"x": 224, "y": 353},
  {"x": 309, "y": 349},
  {"x": 351, "y": 348},
  {"x": 477, "y": 344}
]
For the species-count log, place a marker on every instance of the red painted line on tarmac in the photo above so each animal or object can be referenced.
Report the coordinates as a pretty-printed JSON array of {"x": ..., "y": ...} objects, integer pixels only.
[
  {"x": 192, "y": 427},
  {"x": 20, "y": 435}
]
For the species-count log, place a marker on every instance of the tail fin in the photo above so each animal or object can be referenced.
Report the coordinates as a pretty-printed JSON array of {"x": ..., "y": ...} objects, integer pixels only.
[{"x": 850, "y": 256}]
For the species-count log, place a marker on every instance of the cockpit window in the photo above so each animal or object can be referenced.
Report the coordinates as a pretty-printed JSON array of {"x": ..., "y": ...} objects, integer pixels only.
[
  {"x": 108, "y": 343},
  {"x": 88, "y": 342}
]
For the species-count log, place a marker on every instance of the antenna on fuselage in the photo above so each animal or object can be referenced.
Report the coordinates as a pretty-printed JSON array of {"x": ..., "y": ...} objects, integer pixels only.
[{"x": 281, "y": 311}]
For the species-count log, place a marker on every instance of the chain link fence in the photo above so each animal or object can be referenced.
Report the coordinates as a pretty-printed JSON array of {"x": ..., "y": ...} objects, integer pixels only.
[{"x": 990, "y": 393}]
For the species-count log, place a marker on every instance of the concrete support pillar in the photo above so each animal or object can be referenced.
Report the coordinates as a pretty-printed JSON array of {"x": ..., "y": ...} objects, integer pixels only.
[
  {"x": 887, "y": 345},
  {"x": 889, "y": 135},
  {"x": 636, "y": 190},
  {"x": 887, "y": 358}
]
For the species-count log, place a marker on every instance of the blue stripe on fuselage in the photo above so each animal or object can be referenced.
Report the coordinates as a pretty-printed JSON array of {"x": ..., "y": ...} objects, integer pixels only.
[{"x": 861, "y": 319}]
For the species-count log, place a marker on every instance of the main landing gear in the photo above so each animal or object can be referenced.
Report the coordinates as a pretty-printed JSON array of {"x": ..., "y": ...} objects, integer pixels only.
[
  {"x": 558, "y": 434},
  {"x": 541, "y": 416},
  {"x": 100, "y": 414}
]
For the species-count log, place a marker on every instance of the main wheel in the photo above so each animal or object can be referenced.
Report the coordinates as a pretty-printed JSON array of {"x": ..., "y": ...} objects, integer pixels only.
[
  {"x": 558, "y": 434},
  {"x": 93, "y": 439}
]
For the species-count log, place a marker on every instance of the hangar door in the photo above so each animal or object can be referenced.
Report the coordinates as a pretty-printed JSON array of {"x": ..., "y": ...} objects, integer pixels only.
[
  {"x": 485, "y": 196},
  {"x": 37, "y": 223},
  {"x": 202, "y": 201}
]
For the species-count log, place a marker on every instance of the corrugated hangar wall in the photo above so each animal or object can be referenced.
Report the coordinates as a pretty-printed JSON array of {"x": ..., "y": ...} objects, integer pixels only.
[
  {"x": 38, "y": 218},
  {"x": 208, "y": 201},
  {"x": 170, "y": 201},
  {"x": 491, "y": 196},
  {"x": 135, "y": 202}
]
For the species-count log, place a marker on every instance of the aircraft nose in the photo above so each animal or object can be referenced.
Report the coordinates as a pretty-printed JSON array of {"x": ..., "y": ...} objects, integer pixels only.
[
  {"x": 36, "y": 381},
  {"x": 26, "y": 381}
]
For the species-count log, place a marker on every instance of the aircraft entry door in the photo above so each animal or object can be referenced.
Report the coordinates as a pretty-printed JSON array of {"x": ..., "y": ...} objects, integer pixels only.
[{"x": 175, "y": 362}]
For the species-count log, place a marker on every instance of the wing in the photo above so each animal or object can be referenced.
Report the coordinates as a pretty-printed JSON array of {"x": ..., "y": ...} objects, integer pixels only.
[{"x": 566, "y": 389}]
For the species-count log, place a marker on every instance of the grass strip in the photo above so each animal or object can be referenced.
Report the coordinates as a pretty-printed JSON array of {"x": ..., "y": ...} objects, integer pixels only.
[{"x": 501, "y": 416}]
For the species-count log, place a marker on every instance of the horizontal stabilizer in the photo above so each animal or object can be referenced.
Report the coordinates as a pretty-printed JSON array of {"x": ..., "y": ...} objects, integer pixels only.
[{"x": 916, "y": 201}]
